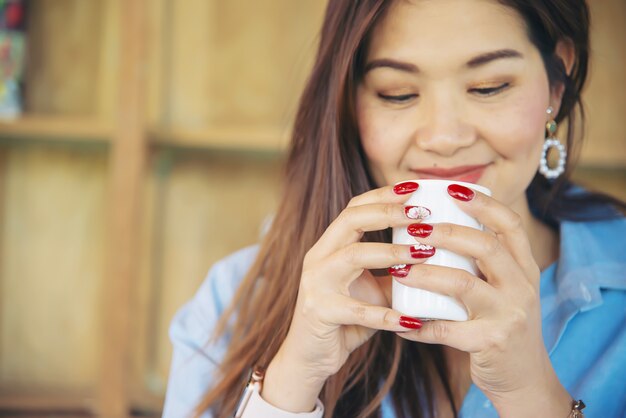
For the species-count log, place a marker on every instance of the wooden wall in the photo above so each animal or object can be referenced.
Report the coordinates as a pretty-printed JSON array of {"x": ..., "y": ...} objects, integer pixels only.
[{"x": 150, "y": 148}]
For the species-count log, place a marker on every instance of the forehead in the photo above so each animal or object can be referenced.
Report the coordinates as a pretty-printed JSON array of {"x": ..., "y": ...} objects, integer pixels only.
[{"x": 435, "y": 29}]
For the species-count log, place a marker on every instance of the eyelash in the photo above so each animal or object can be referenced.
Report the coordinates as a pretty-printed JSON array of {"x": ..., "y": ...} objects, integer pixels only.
[
  {"x": 402, "y": 98},
  {"x": 490, "y": 91},
  {"x": 486, "y": 92}
]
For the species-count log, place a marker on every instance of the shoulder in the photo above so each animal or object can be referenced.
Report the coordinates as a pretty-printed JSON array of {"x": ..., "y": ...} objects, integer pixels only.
[
  {"x": 196, "y": 355},
  {"x": 599, "y": 230},
  {"x": 587, "y": 315},
  {"x": 591, "y": 266},
  {"x": 224, "y": 278},
  {"x": 593, "y": 251},
  {"x": 201, "y": 313}
]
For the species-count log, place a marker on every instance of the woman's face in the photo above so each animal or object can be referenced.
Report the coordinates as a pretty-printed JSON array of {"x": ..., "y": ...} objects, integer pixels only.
[{"x": 454, "y": 89}]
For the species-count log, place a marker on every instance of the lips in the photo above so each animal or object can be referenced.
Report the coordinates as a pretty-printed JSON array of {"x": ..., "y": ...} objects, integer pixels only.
[{"x": 465, "y": 173}]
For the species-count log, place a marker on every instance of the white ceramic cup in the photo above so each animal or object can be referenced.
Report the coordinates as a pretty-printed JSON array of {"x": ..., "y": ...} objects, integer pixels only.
[{"x": 423, "y": 304}]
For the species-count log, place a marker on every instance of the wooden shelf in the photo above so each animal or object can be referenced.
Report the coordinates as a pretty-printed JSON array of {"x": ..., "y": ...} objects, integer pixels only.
[
  {"x": 65, "y": 402},
  {"x": 79, "y": 402},
  {"x": 57, "y": 128},
  {"x": 147, "y": 403},
  {"x": 224, "y": 138}
]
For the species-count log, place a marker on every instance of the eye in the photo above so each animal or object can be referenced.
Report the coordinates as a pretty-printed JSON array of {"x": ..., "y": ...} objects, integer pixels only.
[
  {"x": 402, "y": 98},
  {"x": 489, "y": 91}
]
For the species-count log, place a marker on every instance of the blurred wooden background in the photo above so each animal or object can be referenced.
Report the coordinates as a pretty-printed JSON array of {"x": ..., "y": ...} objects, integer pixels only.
[{"x": 150, "y": 148}]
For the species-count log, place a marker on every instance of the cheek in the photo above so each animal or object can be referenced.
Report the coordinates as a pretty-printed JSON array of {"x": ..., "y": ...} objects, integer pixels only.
[
  {"x": 371, "y": 137},
  {"x": 522, "y": 129},
  {"x": 379, "y": 135}
]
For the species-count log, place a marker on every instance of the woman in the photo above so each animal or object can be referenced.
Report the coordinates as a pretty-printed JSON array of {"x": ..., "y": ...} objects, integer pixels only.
[{"x": 402, "y": 91}]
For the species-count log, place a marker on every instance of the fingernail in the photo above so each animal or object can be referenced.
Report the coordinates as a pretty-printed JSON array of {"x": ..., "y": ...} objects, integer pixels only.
[
  {"x": 419, "y": 230},
  {"x": 422, "y": 251},
  {"x": 459, "y": 192},
  {"x": 406, "y": 187},
  {"x": 400, "y": 270},
  {"x": 408, "y": 322},
  {"x": 416, "y": 212}
]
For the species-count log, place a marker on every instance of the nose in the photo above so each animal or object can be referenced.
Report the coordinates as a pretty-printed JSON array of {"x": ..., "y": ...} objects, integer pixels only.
[{"x": 444, "y": 127}]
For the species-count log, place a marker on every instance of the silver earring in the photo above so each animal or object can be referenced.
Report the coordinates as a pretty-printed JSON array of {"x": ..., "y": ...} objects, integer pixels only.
[{"x": 552, "y": 142}]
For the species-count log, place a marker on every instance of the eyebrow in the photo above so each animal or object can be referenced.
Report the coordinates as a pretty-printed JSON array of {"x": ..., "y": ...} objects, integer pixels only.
[
  {"x": 477, "y": 61},
  {"x": 492, "y": 56},
  {"x": 389, "y": 63}
]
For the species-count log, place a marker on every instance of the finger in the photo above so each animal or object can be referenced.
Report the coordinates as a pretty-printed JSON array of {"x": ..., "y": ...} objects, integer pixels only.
[
  {"x": 344, "y": 266},
  {"x": 503, "y": 221},
  {"x": 347, "y": 311},
  {"x": 476, "y": 295},
  {"x": 388, "y": 194},
  {"x": 464, "y": 336},
  {"x": 353, "y": 222},
  {"x": 492, "y": 257}
]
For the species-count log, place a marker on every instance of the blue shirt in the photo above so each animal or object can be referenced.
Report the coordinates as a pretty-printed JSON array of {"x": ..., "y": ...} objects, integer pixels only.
[{"x": 583, "y": 302}]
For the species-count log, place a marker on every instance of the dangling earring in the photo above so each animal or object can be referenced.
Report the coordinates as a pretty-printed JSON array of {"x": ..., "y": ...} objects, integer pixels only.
[{"x": 550, "y": 142}]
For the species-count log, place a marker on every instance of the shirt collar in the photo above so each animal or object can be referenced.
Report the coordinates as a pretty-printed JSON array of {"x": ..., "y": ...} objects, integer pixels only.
[{"x": 591, "y": 258}]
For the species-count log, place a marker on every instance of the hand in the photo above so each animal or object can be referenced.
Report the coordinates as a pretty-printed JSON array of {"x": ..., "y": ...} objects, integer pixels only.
[
  {"x": 340, "y": 304},
  {"x": 508, "y": 359}
]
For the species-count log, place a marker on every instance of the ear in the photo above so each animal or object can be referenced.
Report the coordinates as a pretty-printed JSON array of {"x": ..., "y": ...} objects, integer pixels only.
[{"x": 566, "y": 51}]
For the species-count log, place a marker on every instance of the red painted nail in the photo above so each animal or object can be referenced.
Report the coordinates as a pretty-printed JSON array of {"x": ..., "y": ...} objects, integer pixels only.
[
  {"x": 459, "y": 192},
  {"x": 411, "y": 323},
  {"x": 400, "y": 270},
  {"x": 406, "y": 187},
  {"x": 422, "y": 251},
  {"x": 416, "y": 212},
  {"x": 419, "y": 230}
]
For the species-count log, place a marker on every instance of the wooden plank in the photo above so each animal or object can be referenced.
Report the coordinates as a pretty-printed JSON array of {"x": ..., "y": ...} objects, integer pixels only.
[
  {"x": 260, "y": 56},
  {"x": 605, "y": 96},
  {"x": 205, "y": 206},
  {"x": 32, "y": 402},
  {"x": 189, "y": 32},
  {"x": 63, "y": 62},
  {"x": 157, "y": 43},
  {"x": 236, "y": 62},
  {"x": 108, "y": 57},
  {"x": 226, "y": 138},
  {"x": 3, "y": 169},
  {"x": 51, "y": 128},
  {"x": 147, "y": 403},
  {"x": 126, "y": 169},
  {"x": 52, "y": 266}
]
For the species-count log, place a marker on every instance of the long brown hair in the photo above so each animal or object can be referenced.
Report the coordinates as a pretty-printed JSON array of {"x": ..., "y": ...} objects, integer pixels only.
[{"x": 326, "y": 166}]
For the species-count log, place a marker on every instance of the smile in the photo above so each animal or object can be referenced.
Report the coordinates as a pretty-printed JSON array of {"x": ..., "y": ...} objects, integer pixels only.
[{"x": 466, "y": 173}]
